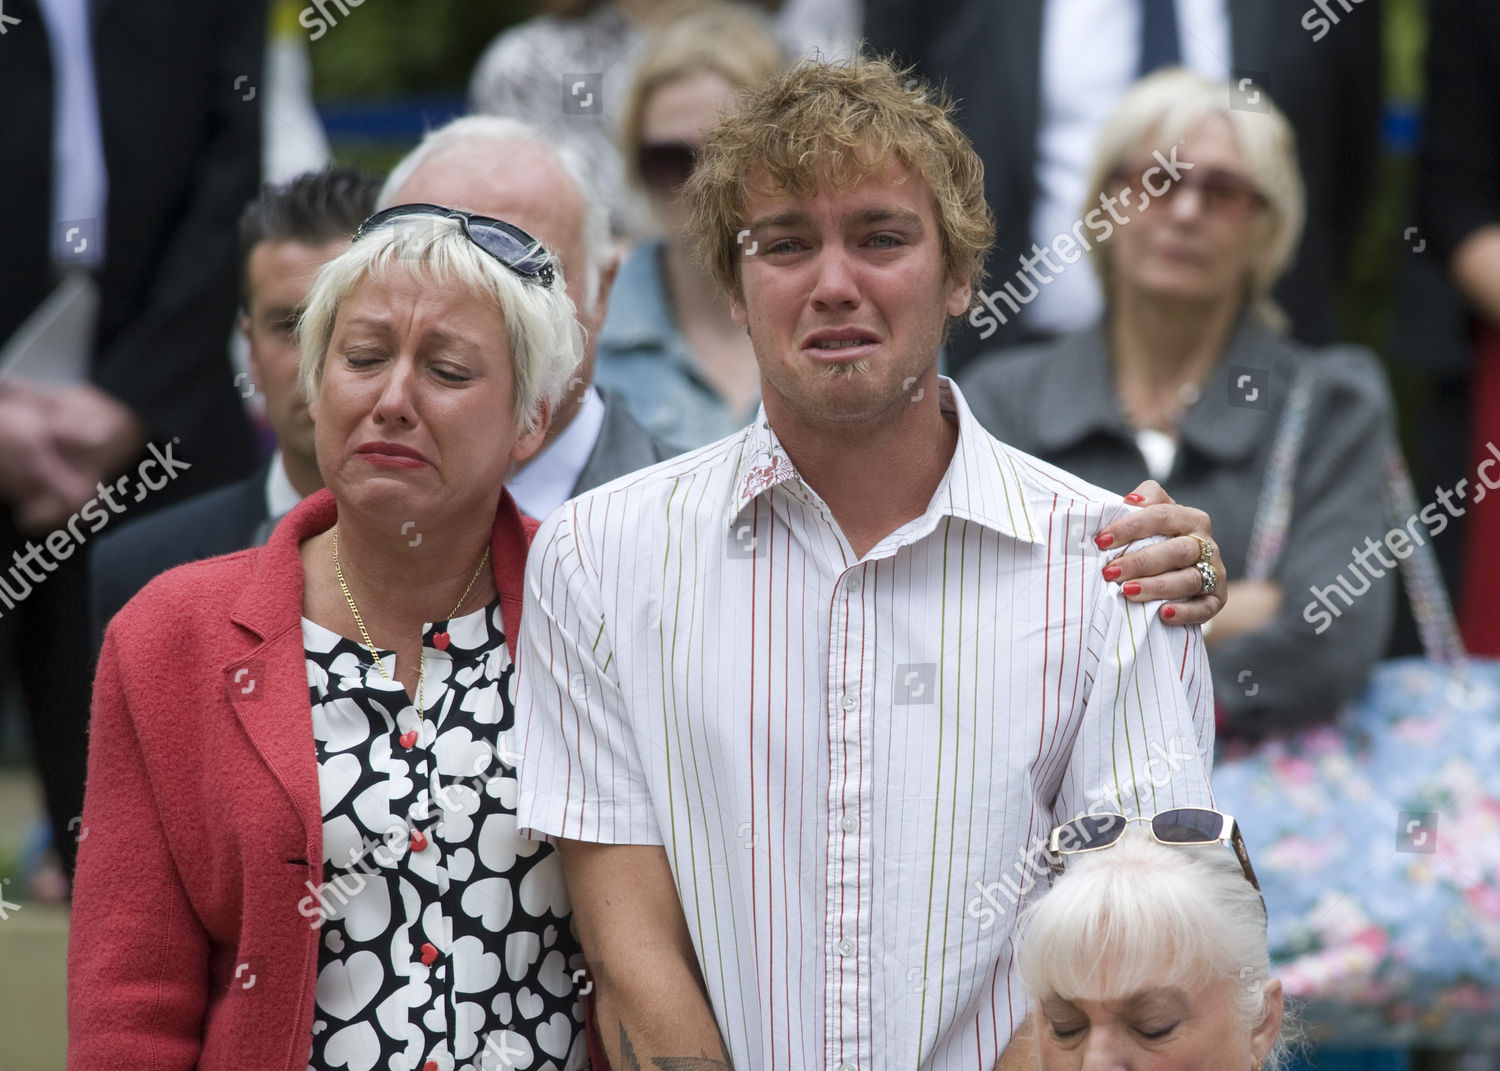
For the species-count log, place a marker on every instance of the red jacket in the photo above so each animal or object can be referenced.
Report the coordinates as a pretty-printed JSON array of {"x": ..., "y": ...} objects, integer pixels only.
[{"x": 202, "y": 823}]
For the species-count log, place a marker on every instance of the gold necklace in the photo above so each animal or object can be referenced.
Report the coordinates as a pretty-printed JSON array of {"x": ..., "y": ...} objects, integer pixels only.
[{"x": 365, "y": 635}]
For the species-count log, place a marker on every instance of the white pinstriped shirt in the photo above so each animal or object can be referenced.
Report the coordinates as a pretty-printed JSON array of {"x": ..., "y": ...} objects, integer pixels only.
[{"x": 851, "y": 762}]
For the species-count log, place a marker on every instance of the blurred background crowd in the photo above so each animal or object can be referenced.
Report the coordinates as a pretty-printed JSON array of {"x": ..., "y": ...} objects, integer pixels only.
[{"x": 1328, "y": 262}]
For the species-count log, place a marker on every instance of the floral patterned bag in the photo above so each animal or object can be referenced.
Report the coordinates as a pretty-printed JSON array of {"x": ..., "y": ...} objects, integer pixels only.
[{"x": 1377, "y": 838}]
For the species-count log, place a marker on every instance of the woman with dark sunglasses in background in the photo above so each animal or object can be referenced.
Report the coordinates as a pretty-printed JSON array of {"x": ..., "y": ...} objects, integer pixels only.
[
  {"x": 301, "y": 794},
  {"x": 1150, "y": 950},
  {"x": 668, "y": 344},
  {"x": 1194, "y": 210}
]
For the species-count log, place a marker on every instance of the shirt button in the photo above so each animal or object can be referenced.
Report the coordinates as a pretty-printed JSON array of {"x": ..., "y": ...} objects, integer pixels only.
[
  {"x": 846, "y": 947},
  {"x": 852, "y": 584},
  {"x": 847, "y": 702},
  {"x": 846, "y": 1067},
  {"x": 849, "y": 823}
]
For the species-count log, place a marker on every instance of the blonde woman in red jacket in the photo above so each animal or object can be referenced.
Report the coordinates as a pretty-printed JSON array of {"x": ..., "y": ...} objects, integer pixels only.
[{"x": 300, "y": 845}]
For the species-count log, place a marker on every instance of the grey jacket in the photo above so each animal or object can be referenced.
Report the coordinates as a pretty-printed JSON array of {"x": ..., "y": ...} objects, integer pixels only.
[
  {"x": 623, "y": 446},
  {"x": 1058, "y": 402}
]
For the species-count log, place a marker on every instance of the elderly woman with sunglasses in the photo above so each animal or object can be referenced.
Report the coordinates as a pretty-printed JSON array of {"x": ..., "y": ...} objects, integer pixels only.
[
  {"x": 299, "y": 846},
  {"x": 1150, "y": 950},
  {"x": 1195, "y": 209}
]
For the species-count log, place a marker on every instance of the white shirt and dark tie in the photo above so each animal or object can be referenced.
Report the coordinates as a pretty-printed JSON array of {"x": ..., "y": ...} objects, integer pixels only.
[
  {"x": 850, "y": 762},
  {"x": 1085, "y": 73}
]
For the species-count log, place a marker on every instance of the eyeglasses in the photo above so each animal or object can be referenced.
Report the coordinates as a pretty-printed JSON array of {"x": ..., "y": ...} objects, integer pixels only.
[
  {"x": 1221, "y": 191},
  {"x": 1183, "y": 825},
  {"x": 666, "y": 165},
  {"x": 506, "y": 242}
]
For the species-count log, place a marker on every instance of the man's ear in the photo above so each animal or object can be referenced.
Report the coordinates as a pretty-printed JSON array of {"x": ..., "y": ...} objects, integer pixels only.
[
  {"x": 607, "y": 273},
  {"x": 593, "y": 319},
  {"x": 960, "y": 295}
]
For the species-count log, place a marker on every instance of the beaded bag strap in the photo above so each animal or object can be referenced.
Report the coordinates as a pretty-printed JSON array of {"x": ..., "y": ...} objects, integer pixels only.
[
  {"x": 1430, "y": 604},
  {"x": 1273, "y": 512}
]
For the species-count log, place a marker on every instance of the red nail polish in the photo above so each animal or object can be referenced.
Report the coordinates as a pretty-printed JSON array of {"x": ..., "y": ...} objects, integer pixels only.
[
  {"x": 1111, "y": 572},
  {"x": 1104, "y": 540},
  {"x": 1169, "y": 612},
  {"x": 1134, "y": 499},
  {"x": 1131, "y": 588}
]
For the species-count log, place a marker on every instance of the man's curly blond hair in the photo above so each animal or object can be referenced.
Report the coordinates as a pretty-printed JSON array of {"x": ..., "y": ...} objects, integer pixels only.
[{"x": 836, "y": 124}]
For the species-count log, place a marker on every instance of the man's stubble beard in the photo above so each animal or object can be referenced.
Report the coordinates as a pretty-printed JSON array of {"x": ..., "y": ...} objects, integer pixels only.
[{"x": 845, "y": 370}]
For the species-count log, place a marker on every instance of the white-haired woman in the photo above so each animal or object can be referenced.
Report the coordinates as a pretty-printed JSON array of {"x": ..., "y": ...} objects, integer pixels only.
[
  {"x": 1150, "y": 950},
  {"x": 301, "y": 848},
  {"x": 1195, "y": 208}
]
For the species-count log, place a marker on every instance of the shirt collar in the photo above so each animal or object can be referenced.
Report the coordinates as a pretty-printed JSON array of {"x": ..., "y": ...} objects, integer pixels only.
[
  {"x": 281, "y": 496},
  {"x": 547, "y": 481},
  {"x": 981, "y": 484},
  {"x": 1078, "y": 396}
]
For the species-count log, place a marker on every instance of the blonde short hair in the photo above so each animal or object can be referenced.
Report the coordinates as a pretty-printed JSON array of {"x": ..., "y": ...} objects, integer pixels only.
[
  {"x": 1140, "y": 915},
  {"x": 838, "y": 123},
  {"x": 729, "y": 40},
  {"x": 545, "y": 339},
  {"x": 1172, "y": 104}
]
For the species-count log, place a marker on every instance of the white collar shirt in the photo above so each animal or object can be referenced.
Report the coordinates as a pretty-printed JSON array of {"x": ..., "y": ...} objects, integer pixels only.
[
  {"x": 546, "y": 481},
  {"x": 80, "y": 175},
  {"x": 281, "y": 496},
  {"x": 850, "y": 762},
  {"x": 1089, "y": 59}
]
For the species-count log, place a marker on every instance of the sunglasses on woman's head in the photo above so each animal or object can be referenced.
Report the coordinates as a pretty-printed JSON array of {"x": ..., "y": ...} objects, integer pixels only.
[
  {"x": 666, "y": 165},
  {"x": 506, "y": 242},
  {"x": 1182, "y": 825}
]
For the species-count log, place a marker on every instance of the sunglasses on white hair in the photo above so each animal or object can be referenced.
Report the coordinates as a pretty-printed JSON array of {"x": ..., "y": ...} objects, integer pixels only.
[
  {"x": 503, "y": 241},
  {"x": 1181, "y": 825}
]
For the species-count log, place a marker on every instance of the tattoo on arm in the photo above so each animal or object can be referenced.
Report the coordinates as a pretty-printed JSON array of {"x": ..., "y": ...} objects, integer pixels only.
[{"x": 629, "y": 1062}]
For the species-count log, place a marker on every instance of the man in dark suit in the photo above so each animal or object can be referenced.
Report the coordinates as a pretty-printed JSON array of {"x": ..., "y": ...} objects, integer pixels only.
[
  {"x": 130, "y": 135},
  {"x": 1023, "y": 71},
  {"x": 286, "y": 235},
  {"x": 506, "y": 169}
]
